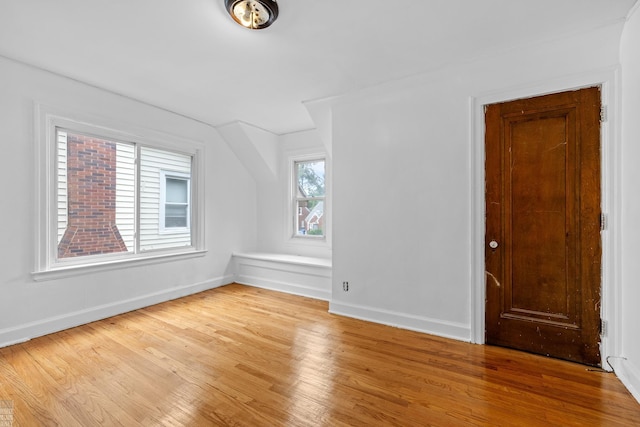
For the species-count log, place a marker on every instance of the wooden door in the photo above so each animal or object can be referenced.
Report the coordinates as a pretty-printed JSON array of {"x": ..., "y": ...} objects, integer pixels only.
[{"x": 543, "y": 247}]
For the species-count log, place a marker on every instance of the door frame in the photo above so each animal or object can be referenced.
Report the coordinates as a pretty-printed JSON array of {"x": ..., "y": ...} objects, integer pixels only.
[{"x": 608, "y": 80}]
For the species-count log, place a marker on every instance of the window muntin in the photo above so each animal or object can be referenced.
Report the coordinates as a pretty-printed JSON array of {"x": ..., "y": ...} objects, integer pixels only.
[{"x": 309, "y": 198}]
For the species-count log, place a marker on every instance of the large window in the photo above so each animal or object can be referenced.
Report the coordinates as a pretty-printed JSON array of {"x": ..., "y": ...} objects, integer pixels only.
[
  {"x": 113, "y": 197},
  {"x": 309, "y": 198}
]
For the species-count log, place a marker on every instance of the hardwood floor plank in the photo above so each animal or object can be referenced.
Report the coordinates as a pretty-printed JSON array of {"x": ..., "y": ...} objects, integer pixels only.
[{"x": 242, "y": 356}]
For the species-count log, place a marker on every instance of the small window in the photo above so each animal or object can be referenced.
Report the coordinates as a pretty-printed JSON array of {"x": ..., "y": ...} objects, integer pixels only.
[
  {"x": 174, "y": 208},
  {"x": 309, "y": 198}
]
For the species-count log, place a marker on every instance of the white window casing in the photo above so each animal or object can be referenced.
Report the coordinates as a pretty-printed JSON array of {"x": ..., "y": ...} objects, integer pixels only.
[{"x": 51, "y": 124}]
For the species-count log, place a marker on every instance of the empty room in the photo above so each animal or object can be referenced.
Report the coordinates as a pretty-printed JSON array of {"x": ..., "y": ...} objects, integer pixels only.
[{"x": 320, "y": 213}]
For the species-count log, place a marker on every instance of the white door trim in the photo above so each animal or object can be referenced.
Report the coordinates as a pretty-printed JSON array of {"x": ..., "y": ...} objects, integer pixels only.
[{"x": 609, "y": 80}]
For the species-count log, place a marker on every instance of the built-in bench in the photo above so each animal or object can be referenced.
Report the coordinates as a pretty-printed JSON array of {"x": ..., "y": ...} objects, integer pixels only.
[{"x": 300, "y": 275}]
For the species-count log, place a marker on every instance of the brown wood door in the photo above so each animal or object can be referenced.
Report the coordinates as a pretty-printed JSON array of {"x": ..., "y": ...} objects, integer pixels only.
[{"x": 543, "y": 247}]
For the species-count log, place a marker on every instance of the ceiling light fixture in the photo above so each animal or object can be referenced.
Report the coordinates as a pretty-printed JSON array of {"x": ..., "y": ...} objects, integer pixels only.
[{"x": 253, "y": 14}]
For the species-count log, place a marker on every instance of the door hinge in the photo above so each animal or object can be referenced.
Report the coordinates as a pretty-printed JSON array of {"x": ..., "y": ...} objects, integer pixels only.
[
  {"x": 603, "y": 113},
  {"x": 603, "y": 222},
  {"x": 603, "y": 328}
]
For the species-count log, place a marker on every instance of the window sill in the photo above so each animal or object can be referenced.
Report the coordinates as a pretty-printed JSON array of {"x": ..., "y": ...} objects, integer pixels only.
[
  {"x": 80, "y": 269},
  {"x": 294, "y": 241},
  {"x": 309, "y": 237}
]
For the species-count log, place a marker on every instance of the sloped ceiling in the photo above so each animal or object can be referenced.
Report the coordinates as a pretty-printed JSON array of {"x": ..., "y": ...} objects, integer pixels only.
[{"x": 189, "y": 57}]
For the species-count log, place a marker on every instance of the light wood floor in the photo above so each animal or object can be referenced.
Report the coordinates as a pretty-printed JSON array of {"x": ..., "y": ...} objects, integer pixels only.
[{"x": 240, "y": 356}]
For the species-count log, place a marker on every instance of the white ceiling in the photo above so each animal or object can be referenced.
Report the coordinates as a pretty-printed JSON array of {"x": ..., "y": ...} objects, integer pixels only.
[{"x": 189, "y": 57}]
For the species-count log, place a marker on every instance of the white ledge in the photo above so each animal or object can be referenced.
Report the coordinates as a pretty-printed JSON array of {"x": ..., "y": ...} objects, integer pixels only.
[
  {"x": 285, "y": 258},
  {"x": 80, "y": 269}
]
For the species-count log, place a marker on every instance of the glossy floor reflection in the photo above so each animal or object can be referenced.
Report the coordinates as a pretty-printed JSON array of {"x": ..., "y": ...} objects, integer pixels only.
[{"x": 241, "y": 356}]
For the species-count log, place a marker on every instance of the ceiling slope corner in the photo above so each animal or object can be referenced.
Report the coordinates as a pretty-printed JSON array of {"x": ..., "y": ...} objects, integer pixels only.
[
  {"x": 257, "y": 149},
  {"x": 321, "y": 114}
]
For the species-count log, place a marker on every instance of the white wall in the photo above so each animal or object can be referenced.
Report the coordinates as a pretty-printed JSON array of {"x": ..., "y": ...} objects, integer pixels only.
[
  {"x": 404, "y": 188},
  {"x": 629, "y": 369},
  {"x": 29, "y": 308}
]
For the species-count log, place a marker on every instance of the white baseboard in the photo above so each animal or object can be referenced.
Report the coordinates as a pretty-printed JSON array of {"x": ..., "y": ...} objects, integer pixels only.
[
  {"x": 282, "y": 286},
  {"x": 439, "y": 328},
  {"x": 629, "y": 375},
  {"x": 25, "y": 332}
]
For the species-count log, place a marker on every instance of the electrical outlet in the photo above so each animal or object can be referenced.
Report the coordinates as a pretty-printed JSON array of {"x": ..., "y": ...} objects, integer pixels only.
[{"x": 345, "y": 286}]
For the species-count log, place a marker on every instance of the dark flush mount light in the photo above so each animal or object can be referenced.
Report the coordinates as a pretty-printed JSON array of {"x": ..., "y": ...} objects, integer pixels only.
[{"x": 253, "y": 14}]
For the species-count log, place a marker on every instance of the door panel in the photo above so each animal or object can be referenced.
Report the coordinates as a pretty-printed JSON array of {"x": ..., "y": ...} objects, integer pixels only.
[{"x": 543, "y": 212}]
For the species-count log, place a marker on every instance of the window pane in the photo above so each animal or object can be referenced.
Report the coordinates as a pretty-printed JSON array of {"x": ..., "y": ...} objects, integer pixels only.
[
  {"x": 177, "y": 190},
  {"x": 159, "y": 188},
  {"x": 175, "y": 216},
  {"x": 310, "y": 218},
  {"x": 95, "y": 190},
  {"x": 310, "y": 178}
]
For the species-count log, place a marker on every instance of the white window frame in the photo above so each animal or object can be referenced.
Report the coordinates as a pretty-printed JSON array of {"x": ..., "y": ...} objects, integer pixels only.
[
  {"x": 293, "y": 198},
  {"x": 164, "y": 174},
  {"x": 47, "y": 120}
]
